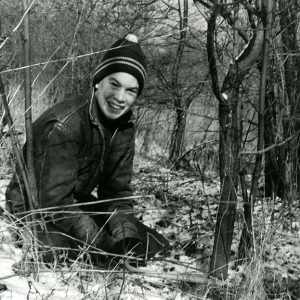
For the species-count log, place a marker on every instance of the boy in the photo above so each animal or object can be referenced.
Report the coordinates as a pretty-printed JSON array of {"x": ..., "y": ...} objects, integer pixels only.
[{"x": 84, "y": 144}]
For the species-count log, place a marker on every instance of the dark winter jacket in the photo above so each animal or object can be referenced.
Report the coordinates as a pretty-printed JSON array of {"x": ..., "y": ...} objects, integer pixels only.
[{"x": 75, "y": 150}]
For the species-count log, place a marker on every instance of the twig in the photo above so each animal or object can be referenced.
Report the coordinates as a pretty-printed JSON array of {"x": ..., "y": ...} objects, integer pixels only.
[
  {"x": 123, "y": 282},
  {"x": 19, "y": 24},
  {"x": 199, "y": 278},
  {"x": 54, "y": 209},
  {"x": 18, "y": 274},
  {"x": 270, "y": 147},
  {"x": 18, "y": 154}
]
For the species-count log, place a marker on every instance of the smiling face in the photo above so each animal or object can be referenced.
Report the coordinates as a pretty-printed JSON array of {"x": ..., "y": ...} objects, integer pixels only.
[{"x": 116, "y": 94}]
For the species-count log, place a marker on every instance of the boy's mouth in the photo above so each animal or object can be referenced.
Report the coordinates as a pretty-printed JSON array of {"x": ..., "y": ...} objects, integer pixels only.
[{"x": 115, "y": 106}]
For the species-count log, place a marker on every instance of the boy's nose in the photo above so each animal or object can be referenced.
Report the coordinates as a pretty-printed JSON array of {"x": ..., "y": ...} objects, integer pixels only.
[{"x": 120, "y": 95}]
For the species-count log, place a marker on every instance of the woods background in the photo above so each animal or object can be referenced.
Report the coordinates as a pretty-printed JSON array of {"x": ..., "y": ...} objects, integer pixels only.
[{"x": 221, "y": 98}]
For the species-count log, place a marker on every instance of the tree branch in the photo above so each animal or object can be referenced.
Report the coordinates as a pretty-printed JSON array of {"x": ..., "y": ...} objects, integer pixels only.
[
  {"x": 210, "y": 47},
  {"x": 267, "y": 149}
]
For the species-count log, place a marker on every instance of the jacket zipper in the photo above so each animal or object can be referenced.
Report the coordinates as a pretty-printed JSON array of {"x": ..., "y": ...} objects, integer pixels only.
[
  {"x": 101, "y": 164},
  {"x": 104, "y": 155},
  {"x": 103, "y": 152}
]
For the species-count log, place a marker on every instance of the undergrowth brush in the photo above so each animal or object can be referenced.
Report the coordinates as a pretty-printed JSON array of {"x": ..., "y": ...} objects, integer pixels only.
[{"x": 183, "y": 207}]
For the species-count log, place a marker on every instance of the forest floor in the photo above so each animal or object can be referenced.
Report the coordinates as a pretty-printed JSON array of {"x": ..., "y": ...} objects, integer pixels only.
[{"x": 183, "y": 208}]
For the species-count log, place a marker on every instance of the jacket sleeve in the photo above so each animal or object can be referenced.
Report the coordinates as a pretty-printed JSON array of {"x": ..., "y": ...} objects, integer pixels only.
[
  {"x": 118, "y": 170},
  {"x": 56, "y": 168},
  {"x": 16, "y": 202}
]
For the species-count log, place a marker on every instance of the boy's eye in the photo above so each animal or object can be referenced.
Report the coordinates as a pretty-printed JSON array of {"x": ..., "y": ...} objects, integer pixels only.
[{"x": 133, "y": 91}]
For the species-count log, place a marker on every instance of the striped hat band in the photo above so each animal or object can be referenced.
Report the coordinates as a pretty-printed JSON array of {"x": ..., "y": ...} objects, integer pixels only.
[{"x": 121, "y": 60}]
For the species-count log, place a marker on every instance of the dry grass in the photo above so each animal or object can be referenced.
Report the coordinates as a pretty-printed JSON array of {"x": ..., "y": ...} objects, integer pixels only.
[{"x": 253, "y": 280}]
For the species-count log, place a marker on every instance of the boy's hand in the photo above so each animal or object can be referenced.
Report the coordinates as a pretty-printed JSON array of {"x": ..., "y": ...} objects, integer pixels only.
[{"x": 105, "y": 241}]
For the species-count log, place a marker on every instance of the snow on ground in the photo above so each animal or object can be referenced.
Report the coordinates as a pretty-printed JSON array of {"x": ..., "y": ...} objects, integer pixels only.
[
  {"x": 182, "y": 208},
  {"x": 24, "y": 287}
]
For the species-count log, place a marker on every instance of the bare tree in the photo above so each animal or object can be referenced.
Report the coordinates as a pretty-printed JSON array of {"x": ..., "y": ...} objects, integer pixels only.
[
  {"x": 32, "y": 190},
  {"x": 230, "y": 126},
  {"x": 282, "y": 113},
  {"x": 245, "y": 240},
  {"x": 180, "y": 105}
]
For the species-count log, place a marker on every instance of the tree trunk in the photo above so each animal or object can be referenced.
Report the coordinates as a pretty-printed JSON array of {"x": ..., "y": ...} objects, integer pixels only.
[
  {"x": 289, "y": 25},
  {"x": 178, "y": 136},
  {"x": 245, "y": 240},
  {"x": 28, "y": 112},
  {"x": 229, "y": 169},
  {"x": 32, "y": 191},
  {"x": 230, "y": 140},
  {"x": 274, "y": 159},
  {"x": 282, "y": 112},
  {"x": 145, "y": 148}
]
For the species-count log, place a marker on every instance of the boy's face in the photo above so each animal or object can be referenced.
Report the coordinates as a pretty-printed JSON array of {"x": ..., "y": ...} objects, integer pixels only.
[{"x": 116, "y": 94}]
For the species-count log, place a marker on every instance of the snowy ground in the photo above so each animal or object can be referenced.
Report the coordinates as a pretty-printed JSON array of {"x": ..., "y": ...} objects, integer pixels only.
[{"x": 183, "y": 208}]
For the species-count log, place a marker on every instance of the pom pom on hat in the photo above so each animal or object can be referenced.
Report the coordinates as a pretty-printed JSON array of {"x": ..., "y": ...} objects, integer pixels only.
[
  {"x": 132, "y": 38},
  {"x": 125, "y": 55}
]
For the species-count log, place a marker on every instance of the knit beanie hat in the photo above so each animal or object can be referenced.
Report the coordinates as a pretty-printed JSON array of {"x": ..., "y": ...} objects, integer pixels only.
[{"x": 125, "y": 55}]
